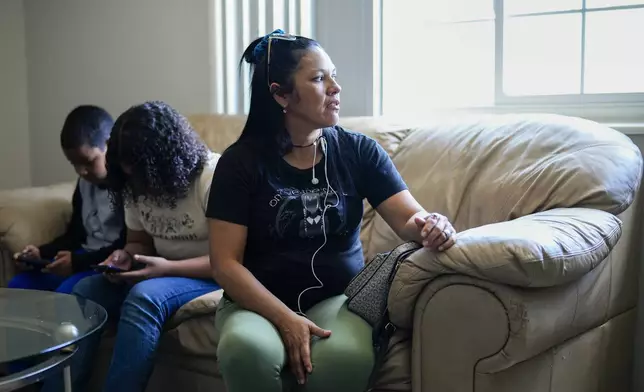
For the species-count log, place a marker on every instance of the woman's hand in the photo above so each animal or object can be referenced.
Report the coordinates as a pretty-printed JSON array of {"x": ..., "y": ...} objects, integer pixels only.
[
  {"x": 296, "y": 334},
  {"x": 436, "y": 231}
]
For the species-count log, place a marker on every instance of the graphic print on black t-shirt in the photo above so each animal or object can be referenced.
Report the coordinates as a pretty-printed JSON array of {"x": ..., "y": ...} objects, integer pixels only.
[{"x": 304, "y": 210}]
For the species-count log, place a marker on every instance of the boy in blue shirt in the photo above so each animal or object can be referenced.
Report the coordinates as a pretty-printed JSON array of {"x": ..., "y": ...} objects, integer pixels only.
[{"x": 96, "y": 229}]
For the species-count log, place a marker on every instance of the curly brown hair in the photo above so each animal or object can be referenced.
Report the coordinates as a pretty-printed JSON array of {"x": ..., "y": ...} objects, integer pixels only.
[{"x": 153, "y": 153}]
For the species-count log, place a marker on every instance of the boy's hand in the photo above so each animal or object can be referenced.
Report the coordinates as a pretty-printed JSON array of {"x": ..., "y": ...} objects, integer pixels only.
[
  {"x": 62, "y": 264},
  {"x": 30, "y": 251}
]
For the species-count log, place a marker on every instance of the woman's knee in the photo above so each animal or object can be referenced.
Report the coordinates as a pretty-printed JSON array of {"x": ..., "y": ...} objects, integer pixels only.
[
  {"x": 250, "y": 344},
  {"x": 344, "y": 361},
  {"x": 340, "y": 364},
  {"x": 340, "y": 353}
]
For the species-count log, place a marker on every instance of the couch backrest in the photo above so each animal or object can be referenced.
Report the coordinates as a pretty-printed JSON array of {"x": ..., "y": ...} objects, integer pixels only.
[
  {"x": 217, "y": 131},
  {"x": 491, "y": 169},
  {"x": 220, "y": 131},
  {"x": 488, "y": 169}
]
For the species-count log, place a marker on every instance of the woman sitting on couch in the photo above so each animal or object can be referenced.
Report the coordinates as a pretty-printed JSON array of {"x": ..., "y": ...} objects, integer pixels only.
[
  {"x": 162, "y": 171},
  {"x": 286, "y": 206}
]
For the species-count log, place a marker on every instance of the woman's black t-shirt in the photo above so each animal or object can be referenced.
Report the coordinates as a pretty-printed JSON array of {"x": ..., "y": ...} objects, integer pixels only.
[{"x": 285, "y": 212}]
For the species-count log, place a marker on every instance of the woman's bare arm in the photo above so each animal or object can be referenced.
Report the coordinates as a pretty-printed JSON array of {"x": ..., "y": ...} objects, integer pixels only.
[
  {"x": 411, "y": 222},
  {"x": 227, "y": 244}
]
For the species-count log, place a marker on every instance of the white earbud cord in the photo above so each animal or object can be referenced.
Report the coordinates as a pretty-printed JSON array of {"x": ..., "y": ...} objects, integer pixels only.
[
  {"x": 315, "y": 180},
  {"x": 326, "y": 206}
]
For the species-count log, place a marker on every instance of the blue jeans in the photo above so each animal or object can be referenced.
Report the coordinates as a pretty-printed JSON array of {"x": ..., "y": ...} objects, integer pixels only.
[
  {"x": 37, "y": 280},
  {"x": 144, "y": 309}
]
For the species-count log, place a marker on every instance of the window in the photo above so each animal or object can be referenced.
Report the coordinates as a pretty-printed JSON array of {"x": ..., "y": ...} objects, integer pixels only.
[
  {"x": 235, "y": 24},
  {"x": 484, "y": 53}
]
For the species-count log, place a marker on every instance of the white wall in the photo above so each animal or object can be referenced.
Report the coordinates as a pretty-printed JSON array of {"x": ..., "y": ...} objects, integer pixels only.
[
  {"x": 14, "y": 127},
  {"x": 117, "y": 53},
  {"x": 113, "y": 54}
]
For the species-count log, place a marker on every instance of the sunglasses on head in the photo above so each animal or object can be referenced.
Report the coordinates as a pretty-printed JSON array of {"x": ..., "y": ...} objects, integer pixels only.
[{"x": 283, "y": 37}]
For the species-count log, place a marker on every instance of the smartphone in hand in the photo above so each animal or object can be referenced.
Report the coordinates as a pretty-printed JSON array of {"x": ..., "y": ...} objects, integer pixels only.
[
  {"x": 33, "y": 261},
  {"x": 110, "y": 269}
]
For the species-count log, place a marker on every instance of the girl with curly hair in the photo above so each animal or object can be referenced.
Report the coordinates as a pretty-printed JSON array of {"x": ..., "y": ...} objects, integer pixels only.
[{"x": 161, "y": 171}]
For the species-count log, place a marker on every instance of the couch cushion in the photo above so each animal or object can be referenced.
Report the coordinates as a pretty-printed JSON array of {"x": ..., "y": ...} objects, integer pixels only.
[
  {"x": 34, "y": 215},
  {"x": 200, "y": 306},
  {"x": 389, "y": 134},
  {"x": 217, "y": 131},
  {"x": 194, "y": 336},
  {"x": 192, "y": 328},
  {"x": 497, "y": 168}
]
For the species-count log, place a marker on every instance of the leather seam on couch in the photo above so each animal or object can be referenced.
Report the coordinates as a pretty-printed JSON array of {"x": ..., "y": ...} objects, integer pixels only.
[
  {"x": 464, "y": 270},
  {"x": 561, "y": 256},
  {"x": 562, "y": 343}
]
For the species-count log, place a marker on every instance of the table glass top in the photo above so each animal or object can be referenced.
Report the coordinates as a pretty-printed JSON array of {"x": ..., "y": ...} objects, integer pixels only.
[{"x": 38, "y": 322}]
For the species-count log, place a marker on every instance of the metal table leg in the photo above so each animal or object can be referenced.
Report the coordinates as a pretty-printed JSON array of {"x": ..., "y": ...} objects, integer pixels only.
[
  {"x": 67, "y": 377},
  {"x": 39, "y": 372}
]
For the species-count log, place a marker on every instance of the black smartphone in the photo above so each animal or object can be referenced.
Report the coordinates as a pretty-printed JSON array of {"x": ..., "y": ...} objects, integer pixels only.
[
  {"x": 110, "y": 269},
  {"x": 33, "y": 261}
]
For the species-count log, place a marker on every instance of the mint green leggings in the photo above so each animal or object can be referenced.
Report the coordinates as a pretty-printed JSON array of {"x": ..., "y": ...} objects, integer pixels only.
[{"x": 252, "y": 356}]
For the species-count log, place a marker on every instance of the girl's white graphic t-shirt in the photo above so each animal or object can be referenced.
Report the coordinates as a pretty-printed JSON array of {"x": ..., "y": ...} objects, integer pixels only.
[{"x": 180, "y": 232}]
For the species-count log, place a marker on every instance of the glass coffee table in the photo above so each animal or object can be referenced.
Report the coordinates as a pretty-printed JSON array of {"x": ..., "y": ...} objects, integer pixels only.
[{"x": 41, "y": 328}]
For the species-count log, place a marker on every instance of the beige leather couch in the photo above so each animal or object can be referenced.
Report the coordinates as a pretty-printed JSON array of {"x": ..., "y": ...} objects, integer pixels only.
[{"x": 539, "y": 293}]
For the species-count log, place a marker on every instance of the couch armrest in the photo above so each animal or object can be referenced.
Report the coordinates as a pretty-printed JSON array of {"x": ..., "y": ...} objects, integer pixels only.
[
  {"x": 464, "y": 326},
  {"x": 456, "y": 324},
  {"x": 545, "y": 249},
  {"x": 34, "y": 215}
]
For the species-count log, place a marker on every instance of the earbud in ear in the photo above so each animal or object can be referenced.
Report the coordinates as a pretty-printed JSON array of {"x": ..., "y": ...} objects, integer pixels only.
[{"x": 275, "y": 89}]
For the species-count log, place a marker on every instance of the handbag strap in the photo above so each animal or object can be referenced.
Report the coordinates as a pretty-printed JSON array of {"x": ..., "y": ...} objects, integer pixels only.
[
  {"x": 400, "y": 254},
  {"x": 382, "y": 334},
  {"x": 384, "y": 330}
]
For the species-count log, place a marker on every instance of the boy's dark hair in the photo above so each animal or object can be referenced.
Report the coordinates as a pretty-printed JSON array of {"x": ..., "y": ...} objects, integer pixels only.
[
  {"x": 86, "y": 125},
  {"x": 265, "y": 122},
  {"x": 163, "y": 152}
]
